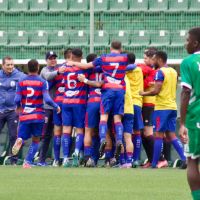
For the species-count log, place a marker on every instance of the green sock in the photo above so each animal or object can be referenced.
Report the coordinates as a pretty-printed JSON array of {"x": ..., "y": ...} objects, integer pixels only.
[{"x": 196, "y": 194}]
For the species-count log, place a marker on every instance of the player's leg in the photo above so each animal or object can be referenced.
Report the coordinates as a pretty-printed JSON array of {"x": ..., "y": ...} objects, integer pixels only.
[
  {"x": 137, "y": 140},
  {"x": 193, "y": 177},
  {"x": 128, "y": 131},
  {"x": 57, "y": 119},
  {"x": 66, "y": 138},
  {"x": 108, "y": 150},
  {"x": 95, "y": 146},
  {"x": 172, "y": 136},
  {"x": 147, "y": 134}
]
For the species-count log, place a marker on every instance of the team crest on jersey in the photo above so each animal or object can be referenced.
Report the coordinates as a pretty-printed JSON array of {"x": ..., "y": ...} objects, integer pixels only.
[{"x": 12, "y": 84}]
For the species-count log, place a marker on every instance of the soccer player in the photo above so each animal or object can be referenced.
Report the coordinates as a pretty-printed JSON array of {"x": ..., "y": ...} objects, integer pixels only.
[
  {"x": 48, "y": 73},
  {"x": 73, "y": 108},
  {"x": 31, "y": 91},
  {"x": 135, "y": 77},
  {"x": 92, "y": 117},
  {"x": 112, "y": 99},
  {"x": 148, "y": 104},
  {"x": 165, "y": 106},
  {"x": 190, "y": 109},
  {"x": 68, "y": 54}
]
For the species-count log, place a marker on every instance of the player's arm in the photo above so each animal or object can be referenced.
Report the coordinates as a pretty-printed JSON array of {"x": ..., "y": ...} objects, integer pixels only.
[
  {"x": 82, "y": 78},
  {"x": 80, "y": 65},
  {"x": 18, "y": 98},
  {"x": 48, "y": 99},
  {"x": 159, "y": 78}
]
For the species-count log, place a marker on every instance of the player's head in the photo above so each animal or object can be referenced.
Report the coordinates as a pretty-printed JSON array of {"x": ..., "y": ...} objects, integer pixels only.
[
  {"x": 116, "y": 46},
  {"x": 33, "y": 66},
  {"x": 148, "y": 55},
  {"x": 7, "y": 64},
  {"x": 193, "y": 40},
  {"x": 68, "y": 54},
  {"x": 131, "y": 58},
  {"x": 77, "y": 54},
  {"x": 90, "y": 57},
  {"x": 160, "y": 59},
  {"x": 51, "y": 58}
]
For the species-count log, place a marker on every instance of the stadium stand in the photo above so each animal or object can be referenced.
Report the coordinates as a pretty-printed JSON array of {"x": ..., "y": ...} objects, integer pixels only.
[
  {"x": 78, "y": 5},
  {"x": 3, "y": 5},
  {"x": 18, "y": 5},
  {"x": 158, "y": 5},
  {"x": 194, "y": 5},
  {"x": 58, "y": 5},
  {"x": 138, "y": 5},
  {"x": 100, "y": 5},
  {"x": 38, "y": 5},
  {"x": 178, "y": 5},
  {"x": 160, "y": 38},
  {"x": 118, "y": 5},
  {"x": 101, "y": 38}
]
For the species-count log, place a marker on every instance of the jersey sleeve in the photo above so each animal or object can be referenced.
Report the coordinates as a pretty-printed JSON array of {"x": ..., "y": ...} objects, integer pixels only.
[
  {"x": 45, "y": 87},
  {"x": 18, "y": 95},
  {"x": 185, "y": 75},
  {"x": 159, "y": 76},
  {"x": 97, "y": 62}
]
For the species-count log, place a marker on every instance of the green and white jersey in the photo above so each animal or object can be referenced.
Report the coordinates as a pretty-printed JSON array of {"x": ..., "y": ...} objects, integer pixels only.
[{"x": 190, "y": 78}]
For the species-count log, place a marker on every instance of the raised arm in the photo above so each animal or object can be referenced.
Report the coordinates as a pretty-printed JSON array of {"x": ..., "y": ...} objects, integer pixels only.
[{"x": 80, "y": 65}]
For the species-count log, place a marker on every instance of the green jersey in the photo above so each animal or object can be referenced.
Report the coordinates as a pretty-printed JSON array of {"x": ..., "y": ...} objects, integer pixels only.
[{"x": 190, "y": 78}]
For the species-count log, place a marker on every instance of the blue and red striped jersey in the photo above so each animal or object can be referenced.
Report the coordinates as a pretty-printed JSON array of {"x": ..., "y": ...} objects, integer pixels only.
[
  {"x": 113, "y": 66},
  {"x": 30, "y": 93},
  {"x": 95, "y": 92},
  {"x": 59, "y": 84},
  {"x": 76, "y": 92}
]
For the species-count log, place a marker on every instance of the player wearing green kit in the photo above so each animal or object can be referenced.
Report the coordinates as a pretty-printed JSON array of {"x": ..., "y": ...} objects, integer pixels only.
[{"x": 190, "y": 109}]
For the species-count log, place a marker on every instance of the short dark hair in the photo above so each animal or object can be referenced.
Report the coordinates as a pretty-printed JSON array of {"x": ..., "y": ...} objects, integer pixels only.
[
  {"x": 150, "y": 52},
  {"x": 162, "y": 55},
  {"x": 90, "y": 57},
  {"x": 6, "y": 58},
  {"x": 115, "y": 44},
  {"x": 33, "y": 65},
  {"x": 195, "y": 32},
  {"x": 67, "y": 53},
  {"x": 131, "y": 58},
  {"x": 77, "y": 52}
]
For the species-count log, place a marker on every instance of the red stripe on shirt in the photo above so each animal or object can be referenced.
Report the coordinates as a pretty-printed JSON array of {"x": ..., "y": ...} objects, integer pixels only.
[
  {"x": 31, "y": 117},
  {"x": 115, "y": 59},
  {"x": 31, "y": 83},
  {"x": 74, "y": 101}
]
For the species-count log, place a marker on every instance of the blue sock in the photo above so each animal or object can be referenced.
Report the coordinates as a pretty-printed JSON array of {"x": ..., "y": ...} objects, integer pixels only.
[
  {"x": 56, "y": 146},
  {"x": 129, "y": 157},
  {"x": 107, "y": 154},
  {"x": 122, "y": 159},
  {"x": 179, "y": 148},
  {"x": 32, "y": 151},
  {"x": 119, "y": 131},
  {"x": 103, "y": 130},
  {"x": 87, "y": 151},
  {"x": 79, "y": 142},
  {"x": 158, "y": 143},
  {"x": 137, "y": 146},
  {"x": 66, "y": 143},
  {"x": 95, "y": 148}
]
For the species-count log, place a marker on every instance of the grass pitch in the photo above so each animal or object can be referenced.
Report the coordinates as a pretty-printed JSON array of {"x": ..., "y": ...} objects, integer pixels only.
[{"x": 92, "y": 184}]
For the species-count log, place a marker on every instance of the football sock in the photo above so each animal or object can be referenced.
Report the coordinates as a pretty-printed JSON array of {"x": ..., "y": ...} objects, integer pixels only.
[
  {"x": 150, "y": 146},
  {"x": 119, "y": 131},
  {"x": 87, "y": 151},
  {"x": 32, "y": 151},
  {"x": 79, "y": 142},
  {"x": 129, "y": 157},
  {"x": 56, "y": 146},
  {"x": 158, "y": 143},
  {"x": 137, "y": 146},
  {"x": 103, "y": 130},
  {"x": 179, "y": 148},
  {"x": 122, "y": 159},
  {"x": 107, "y": 154},
  {"x": 66, "y": 143},
  {"x": 95, "y": 148}
]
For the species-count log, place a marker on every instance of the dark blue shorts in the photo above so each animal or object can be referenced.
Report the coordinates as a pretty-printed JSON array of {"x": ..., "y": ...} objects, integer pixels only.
[
  {"x": 92, "y": 116},
  {"x": 73, "y": 115},
  {"x": 165, "y": 120},
  {"x": 112, "y": 101},
  {"x": 128, "y": 123},
  {"x": 57, "y": 117},
  {"x": 138, "y": 121},
  {"x": 26, "y": 130}
]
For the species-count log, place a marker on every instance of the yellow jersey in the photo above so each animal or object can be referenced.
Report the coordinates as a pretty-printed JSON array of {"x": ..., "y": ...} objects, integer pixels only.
[
  {"x": 136, "y": 83},
  {"x": 128, "y": 104},
  {"x": 149, "y": 100},
  {"x": 166, "y": 99}
]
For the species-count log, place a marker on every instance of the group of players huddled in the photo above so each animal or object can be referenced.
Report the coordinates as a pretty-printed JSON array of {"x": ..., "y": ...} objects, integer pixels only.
[{"x": 113, "y": 104}]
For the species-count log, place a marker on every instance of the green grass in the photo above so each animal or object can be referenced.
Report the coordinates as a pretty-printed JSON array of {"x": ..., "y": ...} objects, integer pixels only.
[{"x": 92, "y": 184}]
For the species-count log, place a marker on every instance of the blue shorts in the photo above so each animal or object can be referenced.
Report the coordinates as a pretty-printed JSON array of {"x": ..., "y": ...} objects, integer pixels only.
[
  {"x": 73, "y": 115},
  {"x": 137, "y": 120},
  {"x": 26, "y": 130},
  {"x": 128, "y": 123},
  {"x": 92, "y": 116},
  {"x": 57, "y": 117},
  {"x": 112, "y": 101},
  {"x": 165, "y": 120}
]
